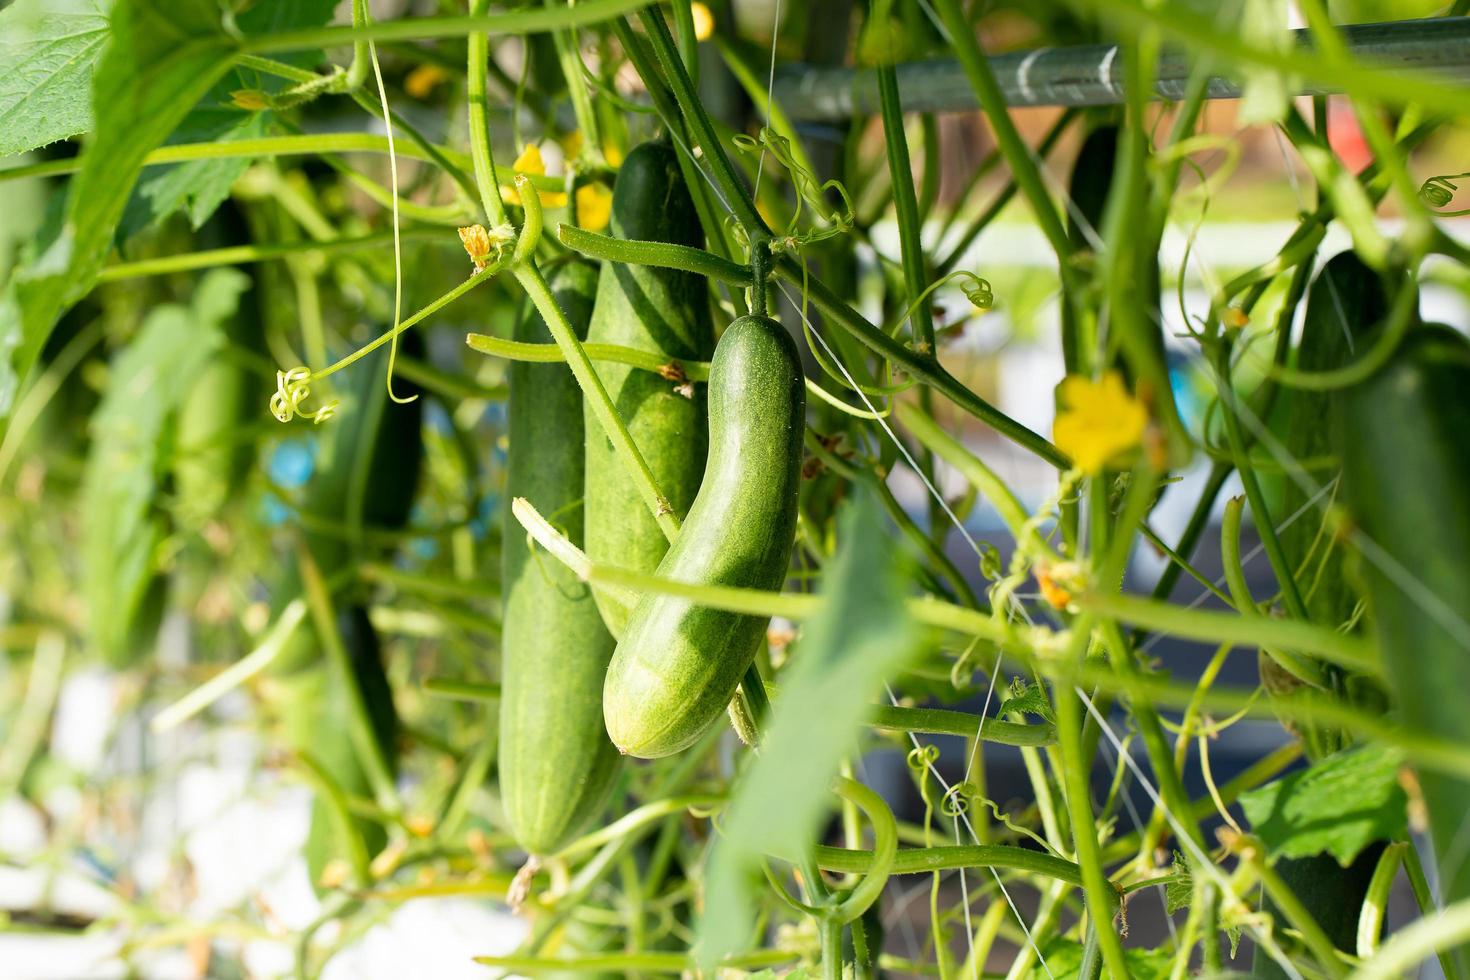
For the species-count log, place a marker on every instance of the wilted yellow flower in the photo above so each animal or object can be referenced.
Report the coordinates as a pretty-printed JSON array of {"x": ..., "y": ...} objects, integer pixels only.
[
  {"x": 476, "y": 242},
  {"x": 594, "y": 206},
  {"x": 704, "y": 21},
  {"x": 1099, "y": 421},
  {"x": 531, "y": 164},
  {"x": 423, "y": 80}
]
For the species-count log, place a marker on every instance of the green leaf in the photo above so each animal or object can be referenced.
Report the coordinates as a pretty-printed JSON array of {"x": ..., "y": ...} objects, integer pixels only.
[
  {"x": 163, "y": 55},
  {"x": 200, "y": 186},
  {"x": 1029, "y": 699},
  {"x": 1178, "y": 894},
  {"x": 132, "y": 430},
  {"x": 48, "y": 50},
  {"x": 862, "y": 635},
  {"x": 1063, "y": 961},
  {"x": 1338, "y": 806}
]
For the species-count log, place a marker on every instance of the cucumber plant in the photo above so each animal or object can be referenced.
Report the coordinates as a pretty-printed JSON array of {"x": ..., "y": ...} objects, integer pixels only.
[{"x": 793, "y": 400}]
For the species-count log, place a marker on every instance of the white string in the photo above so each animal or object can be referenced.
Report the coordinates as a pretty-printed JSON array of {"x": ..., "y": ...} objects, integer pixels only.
[
  {"x": 770, "y": 89},
  {"x": 397, "y": 243},
  {"x": 1198, "y": 858}
]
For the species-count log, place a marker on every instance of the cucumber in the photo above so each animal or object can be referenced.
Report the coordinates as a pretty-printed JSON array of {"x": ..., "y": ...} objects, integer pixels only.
[
  {"x": 1092, "y": 176},
  {"x": 1345, "y": 304},
  {"x": 213, "y": 446},
  {"x": 1346, "y": 301},
  {"x": 1090, "y": 184},
  {"x": 366, "y": 476},
  {"x": 1404, "y": 439},
  {"x": 666, "y": 312},
  {"x": 556, "y": 763},
  {"x": 679, "y": 663}
]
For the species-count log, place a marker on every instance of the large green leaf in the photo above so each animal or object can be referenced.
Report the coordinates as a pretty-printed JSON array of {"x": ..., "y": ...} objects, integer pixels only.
[
  {"x": 862, "y": 635},
  {"x": 1338, "y": 806},
  {"x": 199, "y": 187},
  {"x": 48, "y": 50},
  {"x": 132, "y": 431},
  {"x": 162, "y": 56}
]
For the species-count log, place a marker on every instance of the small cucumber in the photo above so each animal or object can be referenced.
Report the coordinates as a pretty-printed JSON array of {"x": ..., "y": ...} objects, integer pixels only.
[
  {"x": 666, "y": 312},
  {"x": 1405, "y": 447},
  {"x": 678, "y": 663},
  {"x": 366, "y": 476},
  {"x": 556, "y": 763}
]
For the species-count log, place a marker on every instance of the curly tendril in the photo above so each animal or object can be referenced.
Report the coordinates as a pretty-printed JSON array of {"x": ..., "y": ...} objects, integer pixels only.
[
  {"x": 957, "y": 800},
  {"x": 1439, "y": 192},
  {"x": 922, "y": 757},
  {"x": 809, "y": 193},
  {"x": 293, "y": 388}
]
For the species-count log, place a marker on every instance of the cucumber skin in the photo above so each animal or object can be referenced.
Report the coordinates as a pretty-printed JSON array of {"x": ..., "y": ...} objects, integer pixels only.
[
  {"x": 213, "y": 459},
  {"x": 678, "y": 664},
  {"x": 556, "y": 763},
  {"x": 1405, "y": 446},
  {"x": 660, "y": 310},
  {"x": 367, "y": 474},
  {"x": 1345, "y": 302}
]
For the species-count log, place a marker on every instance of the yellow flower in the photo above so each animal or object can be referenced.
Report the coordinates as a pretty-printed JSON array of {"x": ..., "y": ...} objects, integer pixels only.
[
  {"x": 1099, "y": 421},
  {"x": 612, "y": 154},
  {"x": 422, "y": 81},
  {"x": 704, "y": 21},
  {"x": 571, "y": 144},
  {"x": 531, "y": 164},
  {"x": 594, "y": 206},
  {"x": 476, "y": 242}
]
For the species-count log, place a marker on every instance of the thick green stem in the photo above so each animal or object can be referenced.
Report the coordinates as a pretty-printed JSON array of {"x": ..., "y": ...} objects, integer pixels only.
[
  {"x": 1101, "y": 897},
  {"x": 905, "y": 206}
]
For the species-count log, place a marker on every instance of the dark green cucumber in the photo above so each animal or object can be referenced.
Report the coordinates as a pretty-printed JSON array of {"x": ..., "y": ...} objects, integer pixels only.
[
  {"x": 556, "y": 763},
  {"x": 1090, "y": 184},
  {"x": 679, "y": 663},
  {"x": 665, "y": 312},
  {"x": 366, "y": 476},
  {"x": 1092, "y": 176},
  {"x": 1405, "y": 448},
  {"x": 1346, "y": 302},
  {"x": 1333, "y": 895}
]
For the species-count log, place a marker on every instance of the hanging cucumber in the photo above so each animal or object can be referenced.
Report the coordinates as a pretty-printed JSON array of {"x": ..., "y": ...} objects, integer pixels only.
[
  {"x": 1092, "y": 175},
  {"x": 556, "y": 763},
  {"x": 665, "y": 312},
  {"x": 366, "y": 475},
  {"x": 213, "y": 445},
  {"x": 1347, "y": 300},
  {"x": 1091, "y": 182},
  {"x": 1404, "y": 440},
  {"x": 678, "y": 663}
]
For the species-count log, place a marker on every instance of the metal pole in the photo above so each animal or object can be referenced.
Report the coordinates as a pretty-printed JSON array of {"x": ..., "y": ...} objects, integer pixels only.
[{"x": 1089, "y": 75}]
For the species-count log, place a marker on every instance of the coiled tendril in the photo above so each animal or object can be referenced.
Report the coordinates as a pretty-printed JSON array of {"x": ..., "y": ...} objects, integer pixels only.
[
  {"x": 922, "y": 757},
  {"x": 1439, "y": 192},
  {"x": 957, "y": 801},
  {"x": 292, "y": 389}
]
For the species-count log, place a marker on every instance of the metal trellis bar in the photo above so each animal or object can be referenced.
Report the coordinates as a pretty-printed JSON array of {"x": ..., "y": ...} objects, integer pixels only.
[{"x": 1087, "y": 75}]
